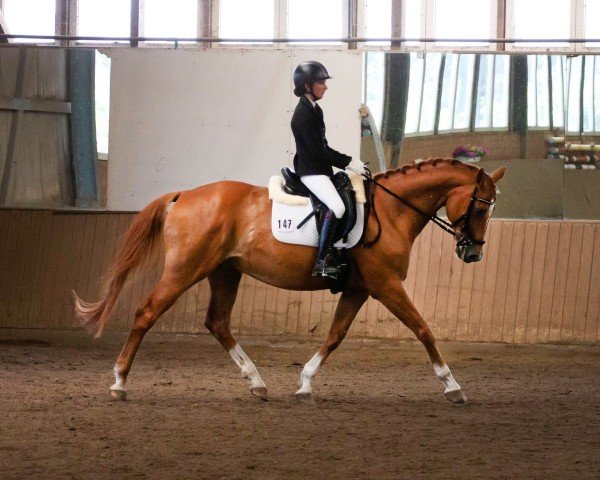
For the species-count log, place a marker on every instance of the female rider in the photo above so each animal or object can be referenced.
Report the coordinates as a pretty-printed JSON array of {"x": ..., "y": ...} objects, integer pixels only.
[{"x": 314, "y": 158}]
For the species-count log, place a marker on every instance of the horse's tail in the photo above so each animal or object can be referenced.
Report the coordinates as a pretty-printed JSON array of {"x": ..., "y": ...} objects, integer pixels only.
[{"x": 140, "y": 241}]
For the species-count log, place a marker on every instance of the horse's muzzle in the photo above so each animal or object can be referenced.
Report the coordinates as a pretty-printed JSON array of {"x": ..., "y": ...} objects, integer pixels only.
[{"x": 469, "y": 253}]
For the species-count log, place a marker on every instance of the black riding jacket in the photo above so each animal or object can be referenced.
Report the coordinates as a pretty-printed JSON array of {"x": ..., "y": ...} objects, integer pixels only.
[{"x": 313, "y": 155}]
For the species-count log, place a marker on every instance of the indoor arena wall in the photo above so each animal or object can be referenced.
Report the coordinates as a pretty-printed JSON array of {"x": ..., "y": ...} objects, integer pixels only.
[{"x": 538, "y": 283}]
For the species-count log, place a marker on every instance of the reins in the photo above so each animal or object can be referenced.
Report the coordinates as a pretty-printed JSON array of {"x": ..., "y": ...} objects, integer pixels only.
[{"x": 440, "y": 222}]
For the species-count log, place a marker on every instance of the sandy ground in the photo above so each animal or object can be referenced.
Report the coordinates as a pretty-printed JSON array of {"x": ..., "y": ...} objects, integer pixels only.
[{"x": 533, "y": 411}]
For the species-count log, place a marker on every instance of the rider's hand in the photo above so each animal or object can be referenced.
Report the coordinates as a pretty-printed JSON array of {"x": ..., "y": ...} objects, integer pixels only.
[{"x": 356, "y": 166}]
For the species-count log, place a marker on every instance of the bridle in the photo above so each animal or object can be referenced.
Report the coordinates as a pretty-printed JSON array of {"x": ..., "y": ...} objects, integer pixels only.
[{"x": 464, "y": 237}]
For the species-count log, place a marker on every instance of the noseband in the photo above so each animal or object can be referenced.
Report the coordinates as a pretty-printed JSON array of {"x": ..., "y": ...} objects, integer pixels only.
[{"x": 464, "y": 238}]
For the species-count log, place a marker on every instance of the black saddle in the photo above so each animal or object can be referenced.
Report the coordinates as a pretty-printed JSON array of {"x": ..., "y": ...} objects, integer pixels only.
[{"x": 294, "y": 186}]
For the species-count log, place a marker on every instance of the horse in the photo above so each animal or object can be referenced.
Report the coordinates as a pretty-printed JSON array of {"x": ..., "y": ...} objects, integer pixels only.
[{"x": 222, "y": 230}]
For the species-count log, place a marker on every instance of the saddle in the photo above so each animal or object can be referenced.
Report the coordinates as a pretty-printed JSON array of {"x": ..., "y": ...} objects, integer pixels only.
[{"x": 343, "y": 185}]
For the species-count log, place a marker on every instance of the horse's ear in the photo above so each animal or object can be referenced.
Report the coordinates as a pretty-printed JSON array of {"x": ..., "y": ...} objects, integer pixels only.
[
  {"x": 498, "y": 174},
  {"x": 479, "y": 176}
]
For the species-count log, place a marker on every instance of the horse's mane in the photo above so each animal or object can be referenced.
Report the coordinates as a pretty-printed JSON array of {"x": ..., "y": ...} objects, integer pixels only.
[{"x": 418, "y": 165}]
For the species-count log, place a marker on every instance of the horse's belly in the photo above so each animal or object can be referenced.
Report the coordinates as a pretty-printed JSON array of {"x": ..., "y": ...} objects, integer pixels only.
[{"x": 279, "y": 264}]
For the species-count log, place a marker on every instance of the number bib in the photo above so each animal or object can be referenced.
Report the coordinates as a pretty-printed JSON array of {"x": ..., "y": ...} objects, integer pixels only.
[{"x": 286, "y": 218}]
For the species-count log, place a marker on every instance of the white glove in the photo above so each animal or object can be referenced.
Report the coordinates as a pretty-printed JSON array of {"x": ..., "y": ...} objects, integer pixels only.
[{"x": 356, "y": 166}]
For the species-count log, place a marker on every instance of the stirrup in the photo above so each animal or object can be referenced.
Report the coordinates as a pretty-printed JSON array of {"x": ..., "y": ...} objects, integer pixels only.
[{"x": 327, "y": 267}]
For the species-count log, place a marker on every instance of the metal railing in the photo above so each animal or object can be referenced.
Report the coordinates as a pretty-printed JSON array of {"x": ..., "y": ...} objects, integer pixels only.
[{"x": 394, "y": 41}]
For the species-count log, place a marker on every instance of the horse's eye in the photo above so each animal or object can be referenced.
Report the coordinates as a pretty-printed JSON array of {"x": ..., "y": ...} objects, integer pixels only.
[{"x": 479, "y": 212}]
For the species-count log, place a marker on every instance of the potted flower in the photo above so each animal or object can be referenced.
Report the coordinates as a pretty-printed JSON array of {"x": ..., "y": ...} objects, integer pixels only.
[{"x": 469, "y": 153}]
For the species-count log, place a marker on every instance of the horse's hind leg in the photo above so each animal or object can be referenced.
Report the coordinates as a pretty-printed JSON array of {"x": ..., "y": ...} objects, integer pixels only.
[
  {"x": 224, "y": 283},
  {"x": 398, "y": 302},
  {"x": 347, "y": 308},
  {"x": 166, "y": 292}
]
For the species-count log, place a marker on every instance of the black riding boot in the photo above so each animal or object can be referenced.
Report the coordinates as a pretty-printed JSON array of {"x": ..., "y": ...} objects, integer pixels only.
[{"x": 326, "y": 265}]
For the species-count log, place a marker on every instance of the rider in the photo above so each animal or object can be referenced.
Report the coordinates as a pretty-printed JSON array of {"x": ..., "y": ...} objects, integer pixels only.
[{"x": 314, "y": 158}]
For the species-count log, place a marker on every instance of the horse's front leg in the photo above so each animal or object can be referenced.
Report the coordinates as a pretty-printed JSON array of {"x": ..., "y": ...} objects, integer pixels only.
[
  {"x": 394, "y": 297},
  {"x": 347, "y": 308}
]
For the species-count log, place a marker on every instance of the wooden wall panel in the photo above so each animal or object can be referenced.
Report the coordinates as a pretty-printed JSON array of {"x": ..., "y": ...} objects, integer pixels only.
[{"x": 538, "y": 282}]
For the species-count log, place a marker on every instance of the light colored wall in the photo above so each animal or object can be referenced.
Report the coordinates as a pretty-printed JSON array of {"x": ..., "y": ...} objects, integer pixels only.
[
  {"x": 537, "y": 283},
  {"x": 182, "y": 118}
]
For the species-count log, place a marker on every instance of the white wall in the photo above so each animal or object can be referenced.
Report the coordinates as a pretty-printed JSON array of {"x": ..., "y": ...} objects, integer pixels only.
[{"x": 182, "y": 118}]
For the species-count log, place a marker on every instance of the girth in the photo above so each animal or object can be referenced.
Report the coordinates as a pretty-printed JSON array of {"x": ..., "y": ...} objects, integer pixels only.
[{"x": 294, "y": 186}]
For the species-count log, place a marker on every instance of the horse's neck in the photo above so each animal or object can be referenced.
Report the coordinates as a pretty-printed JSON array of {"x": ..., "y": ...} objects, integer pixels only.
[{"x": 427, "y": 190}]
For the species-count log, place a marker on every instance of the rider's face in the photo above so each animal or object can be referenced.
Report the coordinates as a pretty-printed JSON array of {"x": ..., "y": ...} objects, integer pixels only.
[{"x": 319, "y": 88}]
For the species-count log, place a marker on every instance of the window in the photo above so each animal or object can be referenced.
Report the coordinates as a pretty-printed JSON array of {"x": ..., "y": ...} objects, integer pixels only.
[
  {"x": 415, "y": 93},
  {"x": 491, "y": 109},
  {"x": 457, "y": 89},
  {"x": 545, "y": 108},
  {"x": 178, "y": 18},
  {"x": 30, "y": 17},
  {"x": 430, "y": 92},
  {"x": 315, "y": 19},
  {"x": 588, "y": 94},
  {"x": 538, "y": 91},
  {"x": 573, "y": 77},
  {"x": 378, "y": 23},
  {"x": 557, "y": 74},
  {"x": 102, "y": 99},
  {"x": 243, "y": 19},
  {"x": 592, "y": 26},
  {"x": 431, "y": 111},
  {"x": 375, "y": 85},
  {"x": 463, "y": 19},
  {"x": 414, "y": 23},
  {"x": 591, "y": 94},
  {"x": 541, "y": 19},
  {"x": 583, "y": 95},
  {"x": 422, "y": 92},
  {"x": 109, "y": 18},
  {"x": 596, "y": 89}
]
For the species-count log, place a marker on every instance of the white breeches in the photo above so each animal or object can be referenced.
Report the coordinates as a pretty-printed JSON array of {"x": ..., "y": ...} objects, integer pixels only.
[{"x": 323, "y": 188}]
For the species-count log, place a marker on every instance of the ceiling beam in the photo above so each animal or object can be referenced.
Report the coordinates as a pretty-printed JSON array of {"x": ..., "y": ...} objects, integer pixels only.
[{"x": 135, "y": 22}]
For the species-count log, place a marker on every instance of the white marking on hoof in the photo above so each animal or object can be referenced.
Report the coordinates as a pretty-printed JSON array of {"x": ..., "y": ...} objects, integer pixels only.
[
  {"x": 260, "y": 392},
  {"x": 455, "y": 396},
  {"x": 452, "y": 391},
  {"x": 249, "y": 371},
  {"x": 308, "y": 373},
  {"x": 118, "y": 394},
  {"x": 118, "y": 390},
  {"x": 305, "y": 397}
]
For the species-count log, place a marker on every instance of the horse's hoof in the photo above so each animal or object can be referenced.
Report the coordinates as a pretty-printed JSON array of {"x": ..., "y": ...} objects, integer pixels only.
[
  {"x": 260, "y": 392},
  {"x": 118, "y": 394},
  {"x": 305, "y": 397},
  {"x": 456, "y": 396}
]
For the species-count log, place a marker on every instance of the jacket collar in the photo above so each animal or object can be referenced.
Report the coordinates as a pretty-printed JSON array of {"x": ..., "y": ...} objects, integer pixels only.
[{"x": 316, "y": 109}]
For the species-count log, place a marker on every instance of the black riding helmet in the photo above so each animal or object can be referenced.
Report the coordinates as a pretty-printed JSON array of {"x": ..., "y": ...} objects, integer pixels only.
[{"x": 308, "y": 72}]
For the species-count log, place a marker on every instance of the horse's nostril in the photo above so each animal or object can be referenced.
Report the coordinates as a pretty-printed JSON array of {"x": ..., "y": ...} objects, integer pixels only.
[{"x": 472, "y": 258}]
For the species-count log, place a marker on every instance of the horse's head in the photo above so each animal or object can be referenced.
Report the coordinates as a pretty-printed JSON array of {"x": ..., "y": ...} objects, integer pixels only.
[{"x": 469, "y": 208}]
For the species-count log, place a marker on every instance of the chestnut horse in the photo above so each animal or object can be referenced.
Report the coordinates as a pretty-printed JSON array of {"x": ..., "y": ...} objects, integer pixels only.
[{"x": 222, "y": 230}]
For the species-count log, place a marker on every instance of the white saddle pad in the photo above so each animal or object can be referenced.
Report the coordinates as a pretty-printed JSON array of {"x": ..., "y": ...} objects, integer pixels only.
[{"x": 286, "y": 218}]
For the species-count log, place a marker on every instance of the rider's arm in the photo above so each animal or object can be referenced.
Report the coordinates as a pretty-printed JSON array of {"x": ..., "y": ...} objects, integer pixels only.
[{"x": 309, "y": 134}]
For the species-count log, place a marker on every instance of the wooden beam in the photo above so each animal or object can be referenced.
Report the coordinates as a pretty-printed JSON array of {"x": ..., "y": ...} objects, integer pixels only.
[
  {"x": 34, "y": 105},
  {"x": 352, "y": 22},
  {"x": 205, "y": 12},
  {"x": 134, "y": 30},
  {"x": 397, "y": 22},
  {"x": 501, "y": 24},
  {"x": 66, "y": 19},
  {"x": 15, "y": 127}
]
